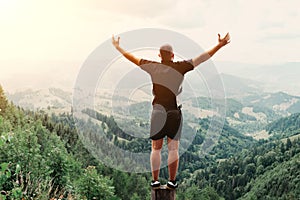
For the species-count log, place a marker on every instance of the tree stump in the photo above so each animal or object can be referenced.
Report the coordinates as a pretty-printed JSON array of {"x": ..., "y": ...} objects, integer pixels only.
[{"x": 163, "y": 193}]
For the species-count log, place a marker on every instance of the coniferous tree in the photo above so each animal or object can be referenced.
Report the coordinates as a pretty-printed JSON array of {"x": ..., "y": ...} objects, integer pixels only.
[{"x": 3, "y": 101}]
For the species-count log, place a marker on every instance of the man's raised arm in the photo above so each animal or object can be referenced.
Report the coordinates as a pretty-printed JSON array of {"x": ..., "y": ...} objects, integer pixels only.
[
  {"x": 126, "y": 54},
  {"x": 206, "y": 55}
]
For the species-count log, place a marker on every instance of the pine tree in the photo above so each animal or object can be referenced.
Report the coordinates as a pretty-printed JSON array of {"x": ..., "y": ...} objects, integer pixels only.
[
  {"x": 288, "y": 143},
  {"x": 3, "y": 101}
]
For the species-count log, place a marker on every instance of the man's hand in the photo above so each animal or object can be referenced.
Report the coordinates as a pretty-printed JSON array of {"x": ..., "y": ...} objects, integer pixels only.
[
  {"x": 225, "y": 40},
  {"x": 126, "y": 54},
  {"x": 208, "y": 54},
  {"x": 115, "y": 42}
]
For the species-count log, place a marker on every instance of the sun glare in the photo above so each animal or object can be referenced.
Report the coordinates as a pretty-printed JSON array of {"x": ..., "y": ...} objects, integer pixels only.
[
  {"x": 5, "y": 6},
  {"x": 8, "y": 10},
  {"x": 5, "y": 3}
]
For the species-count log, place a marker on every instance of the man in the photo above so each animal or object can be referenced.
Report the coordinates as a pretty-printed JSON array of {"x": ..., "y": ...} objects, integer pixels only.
[{"x": 166, "y": 118}]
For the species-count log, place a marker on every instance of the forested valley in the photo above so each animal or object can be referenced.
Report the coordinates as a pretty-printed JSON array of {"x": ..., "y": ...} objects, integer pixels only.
[{"x": 42, "y": 157}]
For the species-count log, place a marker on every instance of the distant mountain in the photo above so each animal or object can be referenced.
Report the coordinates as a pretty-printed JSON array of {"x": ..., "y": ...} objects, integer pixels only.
[
  {"x": 233, "y": 86},
  {"x": 248, "y": 109},
  {"x": 249, "y": 114},
  {"x": 279, "y": 102},
  {"x": 52, "y": 98},
  {"x": 58, "y": 98},
  {"x": 237, "y": 86},
  {"x": 276, "y": 77},
  {"x": 282, "y": 77}
]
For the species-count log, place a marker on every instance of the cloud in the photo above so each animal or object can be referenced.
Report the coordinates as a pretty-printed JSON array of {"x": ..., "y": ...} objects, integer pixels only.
[
  {"x": 70, "y": 30},
  {"x": 170, "y": 13},
  {"x": 280, "y": 37},
  {"x": 134, "y": 8},
  {"x": 183, "y": 15}
]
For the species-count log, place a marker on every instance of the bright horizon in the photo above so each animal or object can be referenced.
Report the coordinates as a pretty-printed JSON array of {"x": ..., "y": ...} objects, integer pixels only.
[{"x": 47, "y": 41}]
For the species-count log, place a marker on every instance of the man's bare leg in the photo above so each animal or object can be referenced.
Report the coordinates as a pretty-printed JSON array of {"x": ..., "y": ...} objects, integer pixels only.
[
  {"x": 173, "y": 158},
  {"x": 155, "y": 158}
]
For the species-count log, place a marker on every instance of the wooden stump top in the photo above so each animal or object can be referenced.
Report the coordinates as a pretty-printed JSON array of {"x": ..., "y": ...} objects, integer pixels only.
[{"x": 163, "y": 193}]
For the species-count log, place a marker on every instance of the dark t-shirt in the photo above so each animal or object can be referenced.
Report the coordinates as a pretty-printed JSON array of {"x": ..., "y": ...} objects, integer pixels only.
[{"x": 167, "y": 78}]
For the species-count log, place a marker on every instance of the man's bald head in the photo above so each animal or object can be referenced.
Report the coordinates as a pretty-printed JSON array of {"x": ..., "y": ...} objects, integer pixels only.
[{"x": 166, "y": 52}]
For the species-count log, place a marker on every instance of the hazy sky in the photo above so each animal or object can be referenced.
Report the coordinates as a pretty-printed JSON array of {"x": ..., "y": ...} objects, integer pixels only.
[{"x": 52, "y": 38}]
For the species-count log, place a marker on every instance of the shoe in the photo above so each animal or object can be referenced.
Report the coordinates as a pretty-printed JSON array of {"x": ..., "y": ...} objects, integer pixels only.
[
  {"x": 172, "y": 185},
  {"x": 155, "y": 184}
]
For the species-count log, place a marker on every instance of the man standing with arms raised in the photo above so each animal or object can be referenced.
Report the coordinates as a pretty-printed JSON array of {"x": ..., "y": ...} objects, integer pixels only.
[{"x": 166, "y": 118}]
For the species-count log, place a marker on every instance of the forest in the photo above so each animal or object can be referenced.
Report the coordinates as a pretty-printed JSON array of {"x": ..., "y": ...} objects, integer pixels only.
[{"x": 42, "y": 157}]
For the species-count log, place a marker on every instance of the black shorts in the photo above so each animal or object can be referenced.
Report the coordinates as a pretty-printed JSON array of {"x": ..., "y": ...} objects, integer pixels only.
[{"x": 165, "y": 123}]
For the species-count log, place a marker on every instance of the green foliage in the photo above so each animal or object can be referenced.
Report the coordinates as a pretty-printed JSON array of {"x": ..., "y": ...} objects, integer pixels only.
[
  {"x": 195, "y": 193},
  {"x": 41, "y": 157},
  {"x": 281, "y": 182},
  {"x": 273, "y": 165},
  {"x": 285, "y": 127},
  {"x": 35, "y": 162},
  {"x": 3, "y": 101},
  {"x": 92, "y": 185},
  {"x": 135, "y": 196}
]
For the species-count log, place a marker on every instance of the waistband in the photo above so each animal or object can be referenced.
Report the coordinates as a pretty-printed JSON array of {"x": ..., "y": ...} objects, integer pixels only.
[{"x": 160, "y": 107}]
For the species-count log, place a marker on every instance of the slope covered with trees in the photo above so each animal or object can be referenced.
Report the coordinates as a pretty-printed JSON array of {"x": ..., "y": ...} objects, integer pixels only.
[
  {"x": 42, "y": 157},
  {"x": 267, "y": 169},
  {"x": 285, "y": 127}
]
